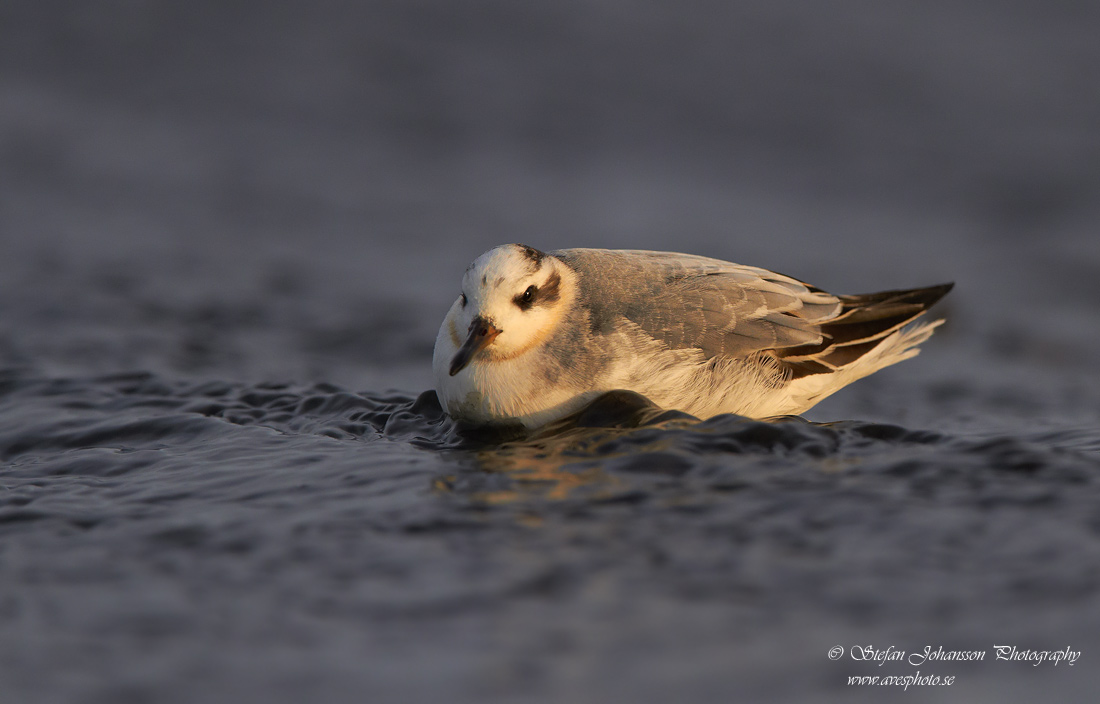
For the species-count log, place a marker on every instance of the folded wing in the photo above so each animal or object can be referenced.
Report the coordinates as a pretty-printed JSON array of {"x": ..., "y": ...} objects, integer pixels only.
[{"x": 731, "y": 310}]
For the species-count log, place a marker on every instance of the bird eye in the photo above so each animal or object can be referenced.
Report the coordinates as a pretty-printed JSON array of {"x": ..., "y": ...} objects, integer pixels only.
[
  {"x": 463, "y": 297},
  {"x": 526, "y": 299}
]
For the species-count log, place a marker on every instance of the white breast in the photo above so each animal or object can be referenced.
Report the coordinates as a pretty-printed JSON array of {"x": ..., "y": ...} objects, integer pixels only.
[{"x": 508, "y": 391}]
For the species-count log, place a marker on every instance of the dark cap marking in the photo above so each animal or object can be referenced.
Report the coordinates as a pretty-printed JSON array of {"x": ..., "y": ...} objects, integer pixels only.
[{"x": 533, "y": 254}]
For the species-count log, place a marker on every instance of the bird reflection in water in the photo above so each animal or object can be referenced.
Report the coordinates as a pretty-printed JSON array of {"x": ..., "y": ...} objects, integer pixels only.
[{"x": 565, "y": 460}]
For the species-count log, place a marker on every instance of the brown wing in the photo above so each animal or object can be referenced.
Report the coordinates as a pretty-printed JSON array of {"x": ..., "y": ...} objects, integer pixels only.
[{"x": 864, "y": 321}]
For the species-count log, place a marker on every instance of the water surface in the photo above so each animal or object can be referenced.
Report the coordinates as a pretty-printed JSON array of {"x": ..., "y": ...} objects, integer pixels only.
[{"x": 228, "y": 234}]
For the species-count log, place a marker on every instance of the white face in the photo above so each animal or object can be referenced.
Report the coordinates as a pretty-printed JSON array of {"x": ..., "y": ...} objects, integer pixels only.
[{"x": 511, "y": 299}]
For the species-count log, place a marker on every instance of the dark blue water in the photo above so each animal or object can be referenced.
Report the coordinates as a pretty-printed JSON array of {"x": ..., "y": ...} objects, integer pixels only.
[
  {"x": 228, "y": 234},
  {"x": 179, "y": 541}
]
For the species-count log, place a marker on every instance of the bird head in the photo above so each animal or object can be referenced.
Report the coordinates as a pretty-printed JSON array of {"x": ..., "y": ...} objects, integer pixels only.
[{"x": 511, "y": 298}]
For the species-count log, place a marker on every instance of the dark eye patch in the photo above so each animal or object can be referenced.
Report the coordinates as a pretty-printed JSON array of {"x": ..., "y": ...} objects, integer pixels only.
[
  {"x": 551, "y": 290},
  {"x": 527, "y": 299},
  {"x": 535, "y": 296},
  {"x": 463, "y": 296}
]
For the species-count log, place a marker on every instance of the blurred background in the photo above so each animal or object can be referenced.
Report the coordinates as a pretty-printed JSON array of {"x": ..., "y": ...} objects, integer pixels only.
[
  {"x": 280, "y": 190},
  {"x": 247, "y": 191}
]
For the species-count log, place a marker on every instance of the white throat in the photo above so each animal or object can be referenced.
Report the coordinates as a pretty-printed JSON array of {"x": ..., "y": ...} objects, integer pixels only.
[{"x": 505, "y": 380}]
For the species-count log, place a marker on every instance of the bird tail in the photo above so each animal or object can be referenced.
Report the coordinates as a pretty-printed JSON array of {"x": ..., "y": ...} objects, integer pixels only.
[{"x": 868, "y": 334}]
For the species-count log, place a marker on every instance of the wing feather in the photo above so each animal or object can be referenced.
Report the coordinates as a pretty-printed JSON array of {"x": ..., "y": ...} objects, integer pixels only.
[{"x": 685, "y": 301}]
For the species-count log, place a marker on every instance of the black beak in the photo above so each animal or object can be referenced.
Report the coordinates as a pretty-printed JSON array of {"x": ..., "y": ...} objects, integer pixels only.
[{"x": 481, "y": 333}]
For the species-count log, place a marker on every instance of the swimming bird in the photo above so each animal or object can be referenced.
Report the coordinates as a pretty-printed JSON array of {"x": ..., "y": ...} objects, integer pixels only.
[{"x": 534, "y": 336}]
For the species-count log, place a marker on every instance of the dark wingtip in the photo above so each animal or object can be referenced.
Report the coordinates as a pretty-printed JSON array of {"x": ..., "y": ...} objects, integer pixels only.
[
  {"x": 932, "y": 294},
  {"x": 865, "y": 322},
  {"x": 924, "y": 297}
]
